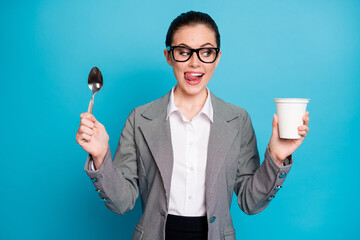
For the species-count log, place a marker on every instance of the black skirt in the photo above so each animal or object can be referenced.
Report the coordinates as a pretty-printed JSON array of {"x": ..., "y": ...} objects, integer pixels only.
[{"x": 186, "y": 228}]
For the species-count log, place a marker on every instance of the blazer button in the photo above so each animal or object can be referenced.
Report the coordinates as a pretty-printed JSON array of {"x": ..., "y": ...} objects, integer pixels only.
[
  {"x": 271, "y": 198},
  {"x": 98, "y": 191},
  {"x": 278, "y": 187},
  {"x": 282, "y": 175},
  {"x": 94, "y": 179},
  {"x": 212, "y": 219}
]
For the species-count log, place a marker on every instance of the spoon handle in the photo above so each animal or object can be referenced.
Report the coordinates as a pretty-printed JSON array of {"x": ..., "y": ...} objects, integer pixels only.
[{"x": 91, "y": 104}]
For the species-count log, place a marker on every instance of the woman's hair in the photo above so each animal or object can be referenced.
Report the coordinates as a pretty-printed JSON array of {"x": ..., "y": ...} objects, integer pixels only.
[{"x": 188, "y": 19}]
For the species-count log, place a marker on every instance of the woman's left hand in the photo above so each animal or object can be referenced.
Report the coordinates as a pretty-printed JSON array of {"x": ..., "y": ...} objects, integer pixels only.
[{"x": 281, "y": 148}]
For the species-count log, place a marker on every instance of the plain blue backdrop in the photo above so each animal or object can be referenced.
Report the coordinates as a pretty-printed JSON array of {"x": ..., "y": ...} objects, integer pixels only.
[{"x": 270, "y": 49}]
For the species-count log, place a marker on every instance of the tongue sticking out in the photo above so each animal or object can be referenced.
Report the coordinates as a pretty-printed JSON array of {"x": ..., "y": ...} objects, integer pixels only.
[{"x": 191, "y": 79}]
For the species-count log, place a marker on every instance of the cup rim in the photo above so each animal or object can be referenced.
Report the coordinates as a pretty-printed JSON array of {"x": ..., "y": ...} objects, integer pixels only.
[{"x": 291, "y": 100}]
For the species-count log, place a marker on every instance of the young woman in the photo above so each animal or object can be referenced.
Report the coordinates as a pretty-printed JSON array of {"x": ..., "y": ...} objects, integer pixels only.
[{"x": 188, "y": 151}]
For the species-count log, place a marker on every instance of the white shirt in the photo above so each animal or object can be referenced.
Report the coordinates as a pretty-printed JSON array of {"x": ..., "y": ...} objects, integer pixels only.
[{"x": 190, "y": 144}]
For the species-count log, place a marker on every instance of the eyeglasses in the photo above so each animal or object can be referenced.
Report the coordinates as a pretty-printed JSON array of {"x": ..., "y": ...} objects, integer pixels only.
[{"x": 183, "y": 54}]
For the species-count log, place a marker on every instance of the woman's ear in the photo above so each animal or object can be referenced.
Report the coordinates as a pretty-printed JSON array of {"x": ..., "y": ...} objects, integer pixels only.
[
  {"x": 167, "y": 55},
  {"x": 218, "y": 58}
]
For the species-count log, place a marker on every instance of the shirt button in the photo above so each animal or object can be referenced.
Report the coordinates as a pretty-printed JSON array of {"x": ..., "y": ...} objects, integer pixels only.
[
  {"x": 191, "y": 169},
  {"x": 189, "y": 197}
]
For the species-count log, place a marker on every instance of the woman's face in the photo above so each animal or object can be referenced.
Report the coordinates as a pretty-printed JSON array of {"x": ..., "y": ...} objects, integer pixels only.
[{"x": 193, "y": 75}]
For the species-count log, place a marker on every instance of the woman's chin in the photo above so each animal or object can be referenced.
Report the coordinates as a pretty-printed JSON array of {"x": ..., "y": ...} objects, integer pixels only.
[{"x": 192, "y": 90}]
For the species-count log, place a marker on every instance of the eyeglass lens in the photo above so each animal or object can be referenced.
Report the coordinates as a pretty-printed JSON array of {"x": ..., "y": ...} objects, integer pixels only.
[{"x": 184, "y": 54}]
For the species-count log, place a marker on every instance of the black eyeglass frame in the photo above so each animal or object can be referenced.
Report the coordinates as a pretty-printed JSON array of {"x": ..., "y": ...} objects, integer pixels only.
[{"x": 171, "y": 48}]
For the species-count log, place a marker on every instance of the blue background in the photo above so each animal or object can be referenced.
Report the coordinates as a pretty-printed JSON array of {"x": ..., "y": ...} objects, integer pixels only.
[{"x": 270, "y": 49}]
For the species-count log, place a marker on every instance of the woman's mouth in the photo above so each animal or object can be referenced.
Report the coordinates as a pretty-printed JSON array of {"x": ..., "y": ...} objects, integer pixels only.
[{"x": 193, "y": 78}]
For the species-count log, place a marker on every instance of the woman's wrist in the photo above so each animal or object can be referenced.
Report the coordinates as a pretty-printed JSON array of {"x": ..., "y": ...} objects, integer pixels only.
[
  {"x": 99, "y": 159},
  {"x": 278, "y": 161}
]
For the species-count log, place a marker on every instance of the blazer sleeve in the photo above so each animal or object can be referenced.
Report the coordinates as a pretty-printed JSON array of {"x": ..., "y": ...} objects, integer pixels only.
[
  {"x": 256, "y": 185},
  {"x": 117, "y": 181}
]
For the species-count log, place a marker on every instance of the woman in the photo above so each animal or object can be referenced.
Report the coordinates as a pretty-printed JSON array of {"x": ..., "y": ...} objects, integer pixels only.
[{"x": 188, "y": 151}]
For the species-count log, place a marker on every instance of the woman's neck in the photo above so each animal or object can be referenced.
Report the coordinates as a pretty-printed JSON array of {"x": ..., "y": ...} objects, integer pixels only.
[{"x": 189, "y": 105}]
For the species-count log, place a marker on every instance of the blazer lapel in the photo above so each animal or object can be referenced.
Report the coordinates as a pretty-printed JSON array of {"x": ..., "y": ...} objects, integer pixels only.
[
  {"x": 222, "y": 135},
  {"x": 157, "y": 135}
]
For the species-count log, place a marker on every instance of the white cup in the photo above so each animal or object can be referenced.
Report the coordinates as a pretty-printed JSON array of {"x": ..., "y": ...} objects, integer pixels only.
[{"x": 290, "y": 112}]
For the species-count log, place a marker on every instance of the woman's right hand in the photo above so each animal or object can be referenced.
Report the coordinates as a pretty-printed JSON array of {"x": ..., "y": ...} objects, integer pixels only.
[{"x": 93, "y": 138}]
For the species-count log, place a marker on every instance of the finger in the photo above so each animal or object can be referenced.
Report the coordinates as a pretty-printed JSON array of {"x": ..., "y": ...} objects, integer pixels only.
[
  {"x": 87, "y": 116},
  {"x": 86, "y": 122},
  {"x": 85, "y": 137},
  {"x": 306, "y": 121},
  {"x": 302, "y": 133},
  {"x": 84, "y": 129},
  {"x": 303, "y": 128},
  {"x": 306, "y": 118},
  {"x": 90, "y": 117},
  {"x": 80, "y": 139}
]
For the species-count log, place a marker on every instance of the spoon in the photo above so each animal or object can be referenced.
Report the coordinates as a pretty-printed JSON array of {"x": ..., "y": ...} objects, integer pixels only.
[{"x": 95, "y": 82}]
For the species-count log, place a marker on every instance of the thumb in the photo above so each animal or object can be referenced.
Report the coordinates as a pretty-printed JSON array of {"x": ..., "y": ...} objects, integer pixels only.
[
  {"x": 275, "y": 130},
  {"x": 275, "y": 121},
  {"x": 96, "y": 122}
]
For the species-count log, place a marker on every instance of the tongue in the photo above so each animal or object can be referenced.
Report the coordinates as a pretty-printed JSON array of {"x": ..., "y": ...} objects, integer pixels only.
[{"x": 190, "y": 77}]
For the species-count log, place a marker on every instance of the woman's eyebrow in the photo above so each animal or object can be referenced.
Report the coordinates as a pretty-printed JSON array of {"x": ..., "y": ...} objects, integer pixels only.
[
  {"x": 205, "y": 44},
  {"x": 184, "y": 45}
]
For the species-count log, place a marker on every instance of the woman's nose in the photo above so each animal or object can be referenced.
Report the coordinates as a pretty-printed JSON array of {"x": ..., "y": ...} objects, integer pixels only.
[{"x": 194, "y": 60}]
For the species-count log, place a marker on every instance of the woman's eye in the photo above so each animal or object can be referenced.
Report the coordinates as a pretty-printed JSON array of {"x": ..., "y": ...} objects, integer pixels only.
[
  {"x": 207, "y": 53},
  {"x": 184, "y": 53}
]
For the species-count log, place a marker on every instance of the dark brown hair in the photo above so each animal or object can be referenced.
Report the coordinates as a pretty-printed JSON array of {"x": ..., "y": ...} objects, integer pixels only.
[{"x": 191, "y": 18}]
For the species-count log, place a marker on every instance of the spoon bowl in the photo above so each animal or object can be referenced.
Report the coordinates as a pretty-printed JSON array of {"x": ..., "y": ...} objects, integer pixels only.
[{"x": 95, "y": 82}]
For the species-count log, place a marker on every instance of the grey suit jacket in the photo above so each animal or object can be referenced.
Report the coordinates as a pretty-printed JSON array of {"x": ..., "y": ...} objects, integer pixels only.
[{"x": 143, "y": 162}]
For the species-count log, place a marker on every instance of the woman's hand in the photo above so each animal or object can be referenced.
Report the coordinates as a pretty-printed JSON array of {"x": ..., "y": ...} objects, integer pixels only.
[
  {"x": 280, "y": 148},
  {"x": 93, "y": 138}
]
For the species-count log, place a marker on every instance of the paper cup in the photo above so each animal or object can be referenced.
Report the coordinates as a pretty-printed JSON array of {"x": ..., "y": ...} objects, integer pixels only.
[{"x": 290, "y": 112}]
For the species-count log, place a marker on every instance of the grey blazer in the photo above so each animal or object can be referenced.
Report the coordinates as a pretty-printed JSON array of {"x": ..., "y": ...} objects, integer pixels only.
[{"x": 143, "y": 162}]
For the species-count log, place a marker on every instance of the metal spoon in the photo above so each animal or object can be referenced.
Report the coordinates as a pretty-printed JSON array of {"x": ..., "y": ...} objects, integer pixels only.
[{"x": 95, "y": 82}]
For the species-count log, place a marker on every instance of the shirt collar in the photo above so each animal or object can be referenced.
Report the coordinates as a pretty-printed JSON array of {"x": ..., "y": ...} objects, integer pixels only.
[{"x": 207, "y": 109}]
